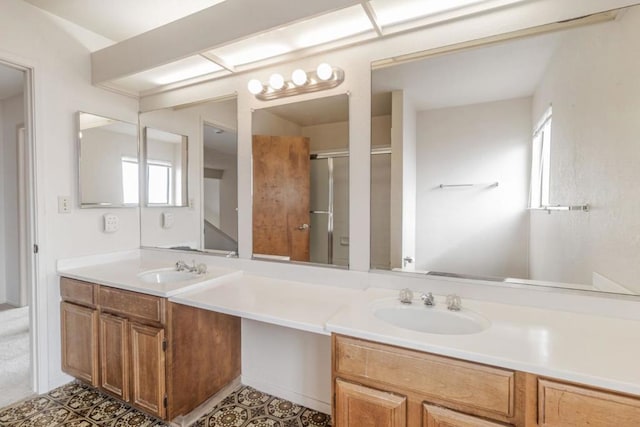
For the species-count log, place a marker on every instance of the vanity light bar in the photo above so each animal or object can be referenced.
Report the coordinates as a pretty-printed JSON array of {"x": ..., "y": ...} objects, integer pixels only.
[{"x": 324, "y": 77}]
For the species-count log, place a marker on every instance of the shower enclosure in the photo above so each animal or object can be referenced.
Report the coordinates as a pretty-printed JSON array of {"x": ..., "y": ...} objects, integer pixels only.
[{"x": 329, "y": 208}]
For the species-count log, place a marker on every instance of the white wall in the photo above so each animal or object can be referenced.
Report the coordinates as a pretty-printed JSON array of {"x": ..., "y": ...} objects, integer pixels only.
[
  {"x": 592, "y": 83},
  {"x": 12, "y": 117},
  {"x": 480, "y": 230},
  {"x": 226, "y": 190},
  {"x": 62, "y": 71}
]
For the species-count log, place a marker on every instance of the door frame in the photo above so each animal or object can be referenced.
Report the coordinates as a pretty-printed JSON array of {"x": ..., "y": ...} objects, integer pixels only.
[{"x": 37, "y": 304}]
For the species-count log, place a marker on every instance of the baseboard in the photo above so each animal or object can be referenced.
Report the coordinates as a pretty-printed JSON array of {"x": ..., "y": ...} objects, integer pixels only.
[{"x": 295, "y": 397}]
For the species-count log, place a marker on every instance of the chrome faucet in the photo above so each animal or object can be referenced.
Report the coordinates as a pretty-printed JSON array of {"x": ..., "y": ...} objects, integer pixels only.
[
  {"x": 428, "y": 299},
  {"x": 183, "y": 266},
  {"x": 454, "y": 303}
]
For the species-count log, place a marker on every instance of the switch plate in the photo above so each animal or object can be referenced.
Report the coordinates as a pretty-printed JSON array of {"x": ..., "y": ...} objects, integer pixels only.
[
  {"x": 64, "y": 204},
  {"x": 111, "y": 223}
]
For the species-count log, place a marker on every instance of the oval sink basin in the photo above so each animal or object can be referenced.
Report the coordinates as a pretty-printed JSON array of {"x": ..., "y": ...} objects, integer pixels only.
[
  {"x": 432, "y": 320},
  {"x": 166, "y": 276}
]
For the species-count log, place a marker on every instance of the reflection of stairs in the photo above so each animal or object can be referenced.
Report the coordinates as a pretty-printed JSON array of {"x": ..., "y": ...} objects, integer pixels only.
[{"x": 214, "y": 238}]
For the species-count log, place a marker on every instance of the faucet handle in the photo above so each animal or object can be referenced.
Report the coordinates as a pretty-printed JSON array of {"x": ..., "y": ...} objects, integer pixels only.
[
  {"x": 406, "y": 296},
  {"x": 428, "y": 299},
  {"x": 454, "y": 303},
  {"x": 201, "y": 268},
  {"x": 181, "y": 265}
]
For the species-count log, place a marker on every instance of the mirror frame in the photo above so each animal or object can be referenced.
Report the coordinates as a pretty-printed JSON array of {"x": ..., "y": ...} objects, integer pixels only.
[{"x": 99, "y": 205}]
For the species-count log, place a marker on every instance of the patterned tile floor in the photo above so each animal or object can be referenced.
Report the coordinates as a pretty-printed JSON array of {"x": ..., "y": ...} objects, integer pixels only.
[{"x": 78, "y": 405}]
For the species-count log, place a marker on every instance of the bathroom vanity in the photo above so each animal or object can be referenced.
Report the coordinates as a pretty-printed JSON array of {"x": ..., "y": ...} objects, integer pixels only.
[
  {"x": 161, "y": 357},
  {"x": 524, "y": 366},
  {"x": 382, "y": 385}
]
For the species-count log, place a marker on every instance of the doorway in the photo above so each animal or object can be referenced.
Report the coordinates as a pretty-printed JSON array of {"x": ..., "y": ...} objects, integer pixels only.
[{"x": 16, "y": 214}]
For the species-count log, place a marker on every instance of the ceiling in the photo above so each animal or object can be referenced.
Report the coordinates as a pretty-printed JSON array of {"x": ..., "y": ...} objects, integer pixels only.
[
  {"x": 221, "y": 140},
  {"x": 247, "y": 35},
  {"x": 119, "y": 20}
]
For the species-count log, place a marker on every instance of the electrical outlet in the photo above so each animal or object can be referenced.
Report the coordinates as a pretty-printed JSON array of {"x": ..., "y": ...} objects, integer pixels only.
[
  {"x": 64, "y": 204},
  {"x": 111, "y": 223},
  {"x": 167, "y": 219}
]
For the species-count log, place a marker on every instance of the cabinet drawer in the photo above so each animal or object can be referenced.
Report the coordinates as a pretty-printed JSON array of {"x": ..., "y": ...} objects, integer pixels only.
[
  {"x": 562, "y": 404},
  {"x": 435, "y": 416},
  {"x": 77, "y": 291},
  {"x": 132, "y": 304},
  {"x": 436, "y": 378}
]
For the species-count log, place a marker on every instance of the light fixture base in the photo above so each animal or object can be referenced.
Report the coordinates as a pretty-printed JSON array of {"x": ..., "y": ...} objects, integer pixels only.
[{"x": 313, "y": 85}]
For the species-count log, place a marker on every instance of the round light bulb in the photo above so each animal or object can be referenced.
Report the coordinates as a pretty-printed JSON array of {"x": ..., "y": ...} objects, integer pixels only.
[
  {"x": 255, "y": 86},
  {"x": 276, "y": 81},
  {"x": 299, "y": 77},
  {"x": 324, "y": 71}
]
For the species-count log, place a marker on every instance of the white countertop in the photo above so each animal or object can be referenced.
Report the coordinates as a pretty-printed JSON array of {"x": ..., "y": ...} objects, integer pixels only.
[
  {"x": 123, "y": 274},
  {"x": 590, "y": 349},
  {"x": 594, "y": 350},
  {"x": 286, "y": 303}
]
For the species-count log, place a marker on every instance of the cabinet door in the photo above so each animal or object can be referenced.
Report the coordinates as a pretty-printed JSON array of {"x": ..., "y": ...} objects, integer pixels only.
[
  {"x": 359, "y": 406},
  {"x": 79, "y": 330},
  {"x": 435, "y": 416},
  {"x": 147, "y": 368},
  {"x": 114, "y": 355}
]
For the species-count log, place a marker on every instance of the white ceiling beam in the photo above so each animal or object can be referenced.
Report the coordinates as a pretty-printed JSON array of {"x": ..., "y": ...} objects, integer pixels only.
[
  {"x": 202, "y": 31},
  {"x": 371, "y": 14},
  {"x": 217, "y": 60}
]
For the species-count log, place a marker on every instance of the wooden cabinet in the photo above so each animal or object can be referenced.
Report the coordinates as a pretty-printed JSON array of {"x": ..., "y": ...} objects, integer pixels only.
[
  {"x": 114, "y": 355},
  {"x": 382, "y": 385},
  {"x": 436, "y": 416},
  {"x": 561, "y": 404},
  {"x": 435, "y": 390},
  {"x": 359, "y": 406},
  {"x": 147, "y": 368},
  {"x": 163, "y": 358},
  {"x": 79, "y": 333}
]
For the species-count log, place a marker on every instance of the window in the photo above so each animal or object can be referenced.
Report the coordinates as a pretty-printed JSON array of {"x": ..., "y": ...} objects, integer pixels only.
[
  {"x": 540, "y": 159},
  {"x": 129, "y": 180},
  {"x": 159, "y": 188}
]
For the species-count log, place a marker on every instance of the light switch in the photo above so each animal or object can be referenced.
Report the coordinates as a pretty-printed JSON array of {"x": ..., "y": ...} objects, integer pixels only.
[
  {"x": 111, "y": 223},
  {"x": 167, "y": 220},
  {"x": 64, "y": 204}
]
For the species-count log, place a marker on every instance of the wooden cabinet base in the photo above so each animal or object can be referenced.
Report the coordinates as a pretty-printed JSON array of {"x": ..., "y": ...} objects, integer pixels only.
[{"x": 165, "y": 359}]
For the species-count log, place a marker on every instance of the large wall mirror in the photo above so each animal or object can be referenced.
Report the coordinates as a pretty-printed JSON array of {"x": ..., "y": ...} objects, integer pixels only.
[
  {"x": 300, "y": 194},
  {"x": 191, "y": 177},
  {"x": 107, "y": 162},
  {"x": 514, "y": 161}
]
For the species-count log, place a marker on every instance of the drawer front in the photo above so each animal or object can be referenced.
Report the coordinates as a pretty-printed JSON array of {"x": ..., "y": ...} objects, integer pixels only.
[
  {"x": 562, "y": 404},
  {"x": 78, "y": 292},
  {"x": 435, "y": 378},
  {"x": 132, "y": 304},
  {"x": 436, "y": 416}
]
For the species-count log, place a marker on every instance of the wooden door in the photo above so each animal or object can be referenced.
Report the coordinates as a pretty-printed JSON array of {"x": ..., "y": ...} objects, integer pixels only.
[
  {"x": 79, "y": 330},
  {"x": 147, "y": 368},
  {"x": 359, "y": 406},
  {"x": 435, "y": 416},
  {"x": 114, "y": 355},
  {"x": 281, "y": 188}
]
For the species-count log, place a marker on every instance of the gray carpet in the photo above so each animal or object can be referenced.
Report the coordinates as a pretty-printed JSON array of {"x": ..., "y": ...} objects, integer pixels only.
[{"x": 14, "y": 355}]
